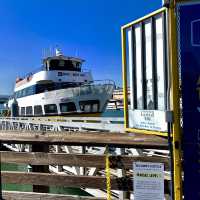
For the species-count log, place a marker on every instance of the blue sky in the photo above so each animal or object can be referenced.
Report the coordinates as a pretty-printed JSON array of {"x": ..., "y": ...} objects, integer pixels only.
[{"x": 89, "y": 28}]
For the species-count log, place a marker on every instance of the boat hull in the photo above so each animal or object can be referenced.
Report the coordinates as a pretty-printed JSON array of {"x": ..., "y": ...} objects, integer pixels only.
[{"x": 89, "y": 100}]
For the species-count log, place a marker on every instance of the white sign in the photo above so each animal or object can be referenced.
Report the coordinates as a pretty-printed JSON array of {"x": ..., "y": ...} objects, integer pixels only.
[
  {"x": 148, "y": 119},
  {"x": 148, "y": 181}
]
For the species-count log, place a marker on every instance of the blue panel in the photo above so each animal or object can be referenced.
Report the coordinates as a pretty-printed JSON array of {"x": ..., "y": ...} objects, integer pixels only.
[{"x": 189, "y": 54}]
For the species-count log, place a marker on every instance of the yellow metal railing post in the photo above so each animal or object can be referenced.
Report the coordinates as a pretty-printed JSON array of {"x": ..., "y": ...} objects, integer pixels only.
[
  {"x": 108, "y": 180},
  {"x": 124, "y": 78},
  {"x": 175, "y": 102}
]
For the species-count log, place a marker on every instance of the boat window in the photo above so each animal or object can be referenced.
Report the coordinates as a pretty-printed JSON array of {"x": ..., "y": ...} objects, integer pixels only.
[
  {"x": 89, "y": 106},
  {"x": 38, "y": 110},
  {"x": 95, "y": 107},
  {"x": 22, "y": 111},
  {"x": 44, "y": 87},
  {"x": 50, "y": 109},
  {"x": 63, "y": 65},
  {"x": 16, "y": 94},
  {"x": 29, "y": 111},
  {"x": 64, "y": 85},
  {"x": 30, "y": 90},
  {"x": 67, "y": 107},
  {"x": 40, "y": 88},
  {"x": 78, "y": 65},
  {"x": 23, "y": 94},
  {"x": 19, "y": 94}
]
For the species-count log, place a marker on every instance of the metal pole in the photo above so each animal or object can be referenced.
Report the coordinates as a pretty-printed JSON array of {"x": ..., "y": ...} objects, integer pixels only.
[
  {"x": 176, "y": 130},
  {"x": 1, "y": 194},
  {"x": 124, "y": 76},
  {"x": 169, "y": 124}
]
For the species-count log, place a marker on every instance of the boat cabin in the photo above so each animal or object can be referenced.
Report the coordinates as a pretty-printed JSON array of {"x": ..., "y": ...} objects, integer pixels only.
[{"x": 62, "y": 63}]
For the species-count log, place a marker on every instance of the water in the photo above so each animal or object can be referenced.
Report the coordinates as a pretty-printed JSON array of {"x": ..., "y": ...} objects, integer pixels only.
[
  {"x": 55, "y": 190},
  {"x": 15, "y": 187},
  {"x": 113, "y": 113}
]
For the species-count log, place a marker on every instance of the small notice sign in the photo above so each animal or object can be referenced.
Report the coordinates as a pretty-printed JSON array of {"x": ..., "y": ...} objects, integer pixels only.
[{"x": 148, "y": 181}]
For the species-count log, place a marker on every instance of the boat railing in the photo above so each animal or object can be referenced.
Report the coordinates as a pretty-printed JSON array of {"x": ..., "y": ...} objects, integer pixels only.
[
  {"x": 110, "y": 124},
  {"x": 97, "y": 86},
  {"x": 94, "y": 88},
  {"x": 102, "y": 82}
]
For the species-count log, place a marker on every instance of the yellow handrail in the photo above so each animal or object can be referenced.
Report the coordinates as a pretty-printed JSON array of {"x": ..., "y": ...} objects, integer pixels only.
[{"x": 108, "y": 182}]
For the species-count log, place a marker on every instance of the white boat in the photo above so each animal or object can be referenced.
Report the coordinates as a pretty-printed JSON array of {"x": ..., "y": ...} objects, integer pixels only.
[{"x": 60, "y": 87}]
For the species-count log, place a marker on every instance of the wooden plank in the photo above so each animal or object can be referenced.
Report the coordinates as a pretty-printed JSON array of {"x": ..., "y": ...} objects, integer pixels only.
[
  {"x": 96, "y": 182},
  {"x": 81, "y": 160},
  {"x": 89, "y": 139},
  {"x": 14, "y": 195}
]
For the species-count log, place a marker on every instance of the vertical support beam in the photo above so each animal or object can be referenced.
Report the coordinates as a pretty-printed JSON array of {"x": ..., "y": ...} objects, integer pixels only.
[
  {"x": 122, "y": 173},
  {"x": 58, "y": 150},
  {"x": 175, "y": 102},
  {"x": 83, "y": 169},
  {"x": 40, "y": 168},
  {"x": 134, "y": 68},
  {"x": 154, "y": 63},
  {"x": 143, "y": 70},
  {"x": 124, "y": 78},
  {"x": 1, "y": 196},
  {"x": 131, "y": 55}
]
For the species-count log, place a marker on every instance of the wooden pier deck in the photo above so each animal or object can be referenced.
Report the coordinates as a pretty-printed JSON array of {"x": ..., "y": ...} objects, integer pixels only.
[
  {"x": 93, "y": 139},
  {"x": 127, "y": 140}
]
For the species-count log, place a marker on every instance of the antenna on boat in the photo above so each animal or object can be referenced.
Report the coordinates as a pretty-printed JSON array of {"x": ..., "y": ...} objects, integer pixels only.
[
  {"x": 51, "y": 51},
  {"x": 47, "y": 52},
  {"x": 43, "y": 53},
  {"x": 76, "y": 53}
]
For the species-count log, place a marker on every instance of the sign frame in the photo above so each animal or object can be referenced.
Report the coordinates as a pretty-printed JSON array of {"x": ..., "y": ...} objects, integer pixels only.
[{"x": 125, "y": 78}]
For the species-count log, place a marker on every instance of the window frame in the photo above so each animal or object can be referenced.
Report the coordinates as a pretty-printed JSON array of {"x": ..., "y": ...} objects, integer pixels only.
[
  {"x": 50, "y": 113},
  {"x": 29, "y": 112},
  {"x": 90, "y": 103},
  {"x": 34, "y": 109},
  {"x": 68, "y": 103}
]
